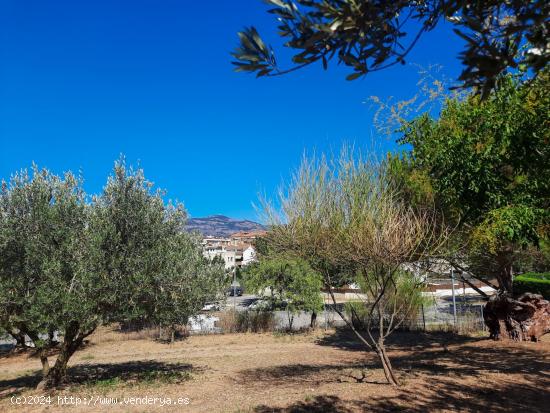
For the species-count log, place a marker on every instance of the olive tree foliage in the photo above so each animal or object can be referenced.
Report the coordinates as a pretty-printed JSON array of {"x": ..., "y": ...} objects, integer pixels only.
[
  {"x": 156, "y": 270},
  {"x": 69, "y": 264},
  {"x": 368, "y": 36},
  {"x": 43, "y": 255},
  {"x": 289, "y": 283},
  {"x": 344, "y": 212}
]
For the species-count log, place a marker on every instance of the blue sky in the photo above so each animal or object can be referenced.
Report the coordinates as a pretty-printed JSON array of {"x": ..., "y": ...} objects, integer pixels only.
[{"x": 82, "y": 82}]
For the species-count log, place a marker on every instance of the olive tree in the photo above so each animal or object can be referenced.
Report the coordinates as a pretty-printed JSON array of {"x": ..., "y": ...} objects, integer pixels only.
[
  {"x": 43, "y": 247},
  {"x": 69, "y": 264},
  {"x": 344, "y": 212},
  {"x": 368, "y": 36}
]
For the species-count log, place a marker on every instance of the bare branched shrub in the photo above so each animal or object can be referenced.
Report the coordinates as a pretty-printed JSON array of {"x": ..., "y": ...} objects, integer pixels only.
[
  {"x": 344, "y": 213},
  {"x": 432, "y": 89}
]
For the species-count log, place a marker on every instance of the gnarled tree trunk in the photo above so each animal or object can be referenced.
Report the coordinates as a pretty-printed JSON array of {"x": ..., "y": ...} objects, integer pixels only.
[
  {"x": 522, "y": 319},
  {"x": 72, "y": 341}
]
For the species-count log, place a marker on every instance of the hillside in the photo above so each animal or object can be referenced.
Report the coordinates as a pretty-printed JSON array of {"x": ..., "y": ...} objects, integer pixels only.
[{"x": 221, "y": 226}]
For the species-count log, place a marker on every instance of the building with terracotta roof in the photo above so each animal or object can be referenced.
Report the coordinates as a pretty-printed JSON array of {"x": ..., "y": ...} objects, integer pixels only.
[
  {"x": 234, "y": 253},
  {"x": 247, "y": 236}
]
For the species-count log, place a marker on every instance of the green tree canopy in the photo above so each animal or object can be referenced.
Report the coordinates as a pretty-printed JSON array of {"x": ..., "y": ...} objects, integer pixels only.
[
  {"x": 43, "y": 253},
  {"x": 486, "y": 163},
  {"x": 289, "y": 282},
  {"x": 69, "y": 264}
]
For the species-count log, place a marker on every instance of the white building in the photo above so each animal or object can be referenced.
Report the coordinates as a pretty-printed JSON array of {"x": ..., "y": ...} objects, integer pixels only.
[
  {"x": 228, "y": 254},
  {"x": 249, "y": 255},
  {"x": 233, "y": 255}
]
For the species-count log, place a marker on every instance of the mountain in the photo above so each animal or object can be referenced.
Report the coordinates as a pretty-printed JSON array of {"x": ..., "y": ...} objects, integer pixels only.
[{"x": 221, "y": 226}]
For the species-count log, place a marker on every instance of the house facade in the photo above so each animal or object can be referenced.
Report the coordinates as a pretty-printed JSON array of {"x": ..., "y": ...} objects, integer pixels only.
[{"x": 236, "y": 251}]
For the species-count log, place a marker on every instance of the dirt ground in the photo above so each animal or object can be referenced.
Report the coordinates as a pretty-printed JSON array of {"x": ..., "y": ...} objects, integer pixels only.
[{"x": 281, "y": 373}]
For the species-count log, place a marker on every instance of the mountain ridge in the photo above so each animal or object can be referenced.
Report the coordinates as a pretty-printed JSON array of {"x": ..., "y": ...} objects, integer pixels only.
[{"x": 221, "y": 225}]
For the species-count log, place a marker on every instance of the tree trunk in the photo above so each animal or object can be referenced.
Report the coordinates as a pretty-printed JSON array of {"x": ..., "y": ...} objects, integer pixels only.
[
  {"x": 41, "y": 351},
  {"x": 51, "y": 337},
  {"x": 370, "y": 343},
  {"x": 386, "y": 364},
  {"x": 58, "y": 373},
  {"x": 522, "y": 319},
  {"x": 45, "y": 364},
  {"x": 20, "y": 340},
  {"x": 313, "y": 322},
  {"x": 386, "y": 360},
  {"x": 19, "y": 334},
  {"x": 72, "y": 340},
  {"x": 505, "y": 274},
  {"x": 290, "y": 320}
]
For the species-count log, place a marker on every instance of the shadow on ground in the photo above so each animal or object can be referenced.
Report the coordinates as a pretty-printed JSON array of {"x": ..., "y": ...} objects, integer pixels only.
[
  {"x": 438, "y": 371},
  {"x": 344, "y": 339},
  {"x": 320, "y": 404},
  {"x": 448, "y": 353},
  {"x": 455, "y": 398},
  {"x": 314, "y": 374},
  {"x": 134, "y": 372}
]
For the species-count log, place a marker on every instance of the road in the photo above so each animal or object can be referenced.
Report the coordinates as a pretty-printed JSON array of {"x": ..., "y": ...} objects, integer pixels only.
[{"x": 241, "y": 302}]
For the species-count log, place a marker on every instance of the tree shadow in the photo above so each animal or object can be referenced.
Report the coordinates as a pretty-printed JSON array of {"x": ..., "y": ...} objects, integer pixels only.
[
  {"x": 450, "y": 395},
  {"x": 319, "y": 404},
  {"x": 445, "y": 396},
  {"x": 313, "y": 374},
  {"x": 439, "y": 372},
  {"x": 444, "y": 353},
  {"x": 128, "y": 373},
  {"x": 471, "y": 360},
  {"x": 344, "y": 339}
]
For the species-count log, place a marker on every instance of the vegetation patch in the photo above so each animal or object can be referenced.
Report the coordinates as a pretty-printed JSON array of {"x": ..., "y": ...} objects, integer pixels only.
[
  {"x": 247, "y": 321},
  {"x": 531, "y": 282}
]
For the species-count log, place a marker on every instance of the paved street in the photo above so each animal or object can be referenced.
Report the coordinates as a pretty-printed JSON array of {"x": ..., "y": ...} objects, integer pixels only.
[{"x": 241, "y": 302}]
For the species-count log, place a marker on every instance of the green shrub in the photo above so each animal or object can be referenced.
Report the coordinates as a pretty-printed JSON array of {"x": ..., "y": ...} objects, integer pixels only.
[
  {"x": 535, "y": 275},
  {"x": 402, "y": 304},
  {"x": 537, "y": 283}
]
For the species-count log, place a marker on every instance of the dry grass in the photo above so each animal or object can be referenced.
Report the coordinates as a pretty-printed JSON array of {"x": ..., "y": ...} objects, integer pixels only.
[
  {"x": 298, "y": 373},
  {"x": 113, "y": 333},
  {"x": 247, "y": 322}
]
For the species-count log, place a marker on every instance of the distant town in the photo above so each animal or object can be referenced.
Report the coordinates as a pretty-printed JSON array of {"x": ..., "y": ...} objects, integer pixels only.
[
  {"x": 230, "y": 239},
  {"x": 236, "y": 250}
]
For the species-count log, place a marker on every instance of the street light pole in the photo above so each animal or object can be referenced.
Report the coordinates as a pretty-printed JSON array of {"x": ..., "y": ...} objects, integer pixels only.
[
  {"x": 454, "y": 299},
  {"x": 235, "y": 286}
]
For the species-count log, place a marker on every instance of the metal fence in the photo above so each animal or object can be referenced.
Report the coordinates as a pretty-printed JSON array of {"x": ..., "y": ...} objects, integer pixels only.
[
  {"x": 462, "y": 316},
  {"x": 442, "y": 315}
]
